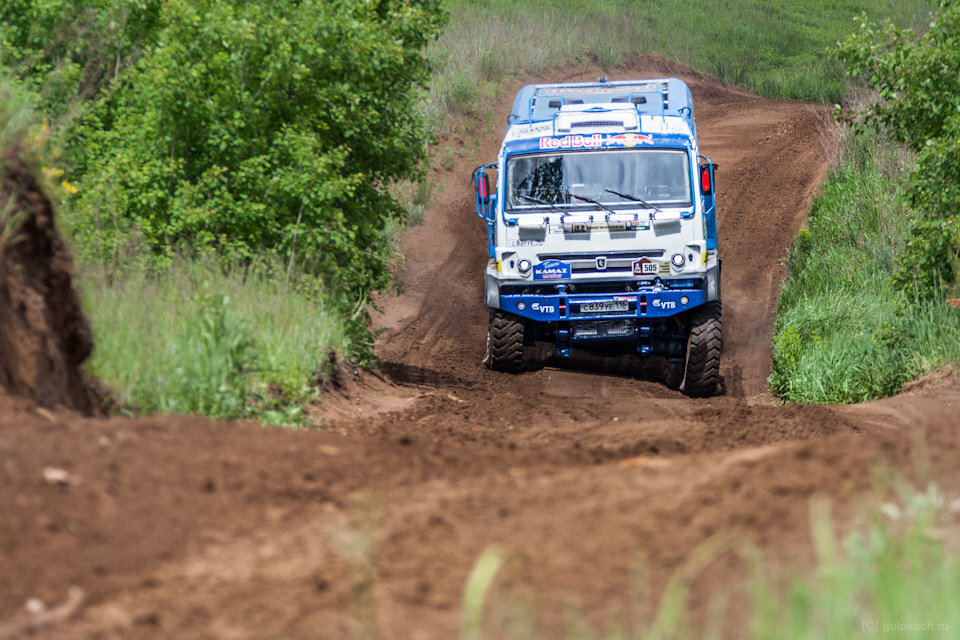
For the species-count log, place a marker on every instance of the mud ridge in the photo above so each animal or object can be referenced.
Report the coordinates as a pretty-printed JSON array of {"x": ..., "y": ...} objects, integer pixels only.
[{"x": 44, "y": 335}]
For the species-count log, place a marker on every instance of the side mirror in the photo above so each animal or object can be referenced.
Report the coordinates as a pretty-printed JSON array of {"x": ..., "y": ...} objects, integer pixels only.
[
  {"x": 483, "y": 188},
  {"x": 706, "y": 179}
]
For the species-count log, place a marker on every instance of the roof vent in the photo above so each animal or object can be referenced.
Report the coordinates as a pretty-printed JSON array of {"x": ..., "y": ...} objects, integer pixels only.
[{"x": 625, "y": 118}]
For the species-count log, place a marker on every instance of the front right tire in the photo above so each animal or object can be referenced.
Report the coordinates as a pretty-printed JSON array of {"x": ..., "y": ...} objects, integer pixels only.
[
  {"x": 504, "y": 351},
  {"x": 701, "y": 375}
]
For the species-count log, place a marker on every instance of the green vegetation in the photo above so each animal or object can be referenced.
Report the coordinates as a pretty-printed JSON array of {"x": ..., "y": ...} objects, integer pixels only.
[
  {"x": 896, "y": 577},
  {"x": 248, "y": 341},
  {"x": 200, "y": 139},
  {"x": 243, "y": 128},
  {"x": 844, "y": 331},
  {"x": 918, "y": 80},
  {"x": 864, "y": 310},
  {"x": 776, "y": 49}
]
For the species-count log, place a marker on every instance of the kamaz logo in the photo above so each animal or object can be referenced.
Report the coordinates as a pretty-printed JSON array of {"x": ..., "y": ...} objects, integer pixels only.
[{"x": 601, "y": 263}]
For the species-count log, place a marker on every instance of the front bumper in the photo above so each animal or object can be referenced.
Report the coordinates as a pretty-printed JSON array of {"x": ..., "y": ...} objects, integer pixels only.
[{"x": 645, "y": 304}]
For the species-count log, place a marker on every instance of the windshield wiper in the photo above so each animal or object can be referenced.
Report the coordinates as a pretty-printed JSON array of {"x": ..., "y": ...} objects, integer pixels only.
[
  {"x": 533, "y": 199},
  {"x": 590, "y": 200},
  {"x": 553, "y": 207},
  {"x": 635, "y": 199}
]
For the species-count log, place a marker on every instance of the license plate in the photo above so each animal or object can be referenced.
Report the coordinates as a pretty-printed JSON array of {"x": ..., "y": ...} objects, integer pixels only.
[{"x": 604, "y": 307}]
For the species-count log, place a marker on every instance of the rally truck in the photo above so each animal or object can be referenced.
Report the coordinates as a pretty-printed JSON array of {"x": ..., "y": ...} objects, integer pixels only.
[{"x": 602, "y": 229}]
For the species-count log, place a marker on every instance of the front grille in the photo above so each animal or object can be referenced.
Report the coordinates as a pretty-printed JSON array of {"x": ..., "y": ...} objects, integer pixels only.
[
  {"x": 600, "y": 329},
  {"x": 618, "y": 262},
  {"x": 602, "y": 287},
  {"x": 598, "y": 123}
]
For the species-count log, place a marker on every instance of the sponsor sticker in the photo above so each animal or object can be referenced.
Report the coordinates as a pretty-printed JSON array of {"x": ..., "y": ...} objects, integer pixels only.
[
  {"x": 629, "y": 139},
  {"x": 595, "y": 141},
  {"x": 543, "y": 308},
  {"x": 551, "y": 270},
  {"x": 664, "y": 304},
  {"x": 583, "y": 227},
  {"x": 573, "y": 142},
  {"x": 645, "y": 267}
]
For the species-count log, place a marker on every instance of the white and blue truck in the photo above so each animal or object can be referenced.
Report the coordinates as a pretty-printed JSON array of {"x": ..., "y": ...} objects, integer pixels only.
[{"x": 602, "y": 229}]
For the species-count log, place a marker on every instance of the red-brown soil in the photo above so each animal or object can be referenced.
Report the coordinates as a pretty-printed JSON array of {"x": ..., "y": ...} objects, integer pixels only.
[
  {"x": 371, "y": 522},
  {"x": 44, "y": 336}
]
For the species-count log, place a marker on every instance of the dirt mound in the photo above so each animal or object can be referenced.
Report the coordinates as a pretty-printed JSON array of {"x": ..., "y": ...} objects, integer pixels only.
[{"x": 44, "y": 335}]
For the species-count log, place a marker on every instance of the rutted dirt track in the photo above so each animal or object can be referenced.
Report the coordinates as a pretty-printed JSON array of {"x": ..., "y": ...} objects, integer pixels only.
[{"x": 180, "y": 527}]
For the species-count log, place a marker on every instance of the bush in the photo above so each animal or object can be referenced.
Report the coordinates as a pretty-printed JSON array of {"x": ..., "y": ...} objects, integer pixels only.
[
  {"x": 247, "y": 129},
  {"x": 261, "y": 128},
  {"x": 918, "y": 81}
]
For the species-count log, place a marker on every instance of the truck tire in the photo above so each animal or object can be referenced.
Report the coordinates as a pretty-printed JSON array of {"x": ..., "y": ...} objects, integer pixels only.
[
  {"x": 701, "y": 376},
  {"x": 504, "y": 350}
]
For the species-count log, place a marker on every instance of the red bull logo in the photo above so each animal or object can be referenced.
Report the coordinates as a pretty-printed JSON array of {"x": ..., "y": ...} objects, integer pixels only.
[
  {"x": 630, "y": 139},
  {"x": 572, "y": 142}
]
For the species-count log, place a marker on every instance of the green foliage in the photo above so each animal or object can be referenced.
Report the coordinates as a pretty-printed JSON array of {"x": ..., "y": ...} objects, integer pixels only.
[
  {"x": 918, "y": 81},
  {"x": 844, "y": 332},
  {"x": 197, "y": 338},
  {"x": 67, "y": 51},
  {"x": 248, "y": 129},
  {"x": 252, "y": 128},
  {"x": 267, "y": 134}
]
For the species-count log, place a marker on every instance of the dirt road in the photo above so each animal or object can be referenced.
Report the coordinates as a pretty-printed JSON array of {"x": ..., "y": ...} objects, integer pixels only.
[{"x": 180, "y": 527}]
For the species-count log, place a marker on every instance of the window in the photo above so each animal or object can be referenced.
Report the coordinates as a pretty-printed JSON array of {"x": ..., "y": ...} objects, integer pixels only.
[{"x": 657, "y": 176}]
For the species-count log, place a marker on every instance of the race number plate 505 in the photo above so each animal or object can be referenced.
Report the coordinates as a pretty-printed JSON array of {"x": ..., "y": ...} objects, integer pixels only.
[{"x": 604, "y": 307}]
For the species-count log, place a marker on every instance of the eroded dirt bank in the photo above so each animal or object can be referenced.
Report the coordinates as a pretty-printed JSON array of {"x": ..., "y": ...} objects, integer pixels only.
[
  {"x": 180, "y": 527},
  {"x": 44, "y": 335}
]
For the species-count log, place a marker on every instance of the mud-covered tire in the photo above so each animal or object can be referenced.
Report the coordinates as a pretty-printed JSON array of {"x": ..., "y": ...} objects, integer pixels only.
[
  {"x": 701, "y": 374},
  {"x": 504, "y": 350}
]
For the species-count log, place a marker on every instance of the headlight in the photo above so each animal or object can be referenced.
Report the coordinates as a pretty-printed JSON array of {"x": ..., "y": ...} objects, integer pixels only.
[
  {"x": 678, "y": 260},
  {"x": 524, "y": 266}
]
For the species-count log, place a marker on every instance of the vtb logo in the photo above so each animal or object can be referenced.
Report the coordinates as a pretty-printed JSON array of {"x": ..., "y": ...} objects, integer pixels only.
[{"x": 601, "y": 263}]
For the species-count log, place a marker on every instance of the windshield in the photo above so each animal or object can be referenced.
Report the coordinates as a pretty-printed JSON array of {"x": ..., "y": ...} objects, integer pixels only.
[{"x": 647, "y": 177}]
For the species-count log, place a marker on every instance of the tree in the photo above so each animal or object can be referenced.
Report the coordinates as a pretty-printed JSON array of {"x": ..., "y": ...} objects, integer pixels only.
[
  {"x": 918, "y": 81},
  {"x": 253, "y": 128}
]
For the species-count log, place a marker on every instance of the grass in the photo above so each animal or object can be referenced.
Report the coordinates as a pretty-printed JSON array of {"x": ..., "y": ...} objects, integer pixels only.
[
  {"x": 200, "y": 339},
  {"x": 898, "y": 577},
  {"x": 843, "y": 332},
  {"x": 776, "y": 49}
]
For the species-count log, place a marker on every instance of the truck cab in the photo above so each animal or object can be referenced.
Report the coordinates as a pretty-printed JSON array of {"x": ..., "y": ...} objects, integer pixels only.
[{"x": 602, "y": 229}]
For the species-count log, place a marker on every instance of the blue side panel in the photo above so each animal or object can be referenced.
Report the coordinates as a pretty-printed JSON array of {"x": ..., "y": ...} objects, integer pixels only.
[{"x": 710, "y": 217}]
